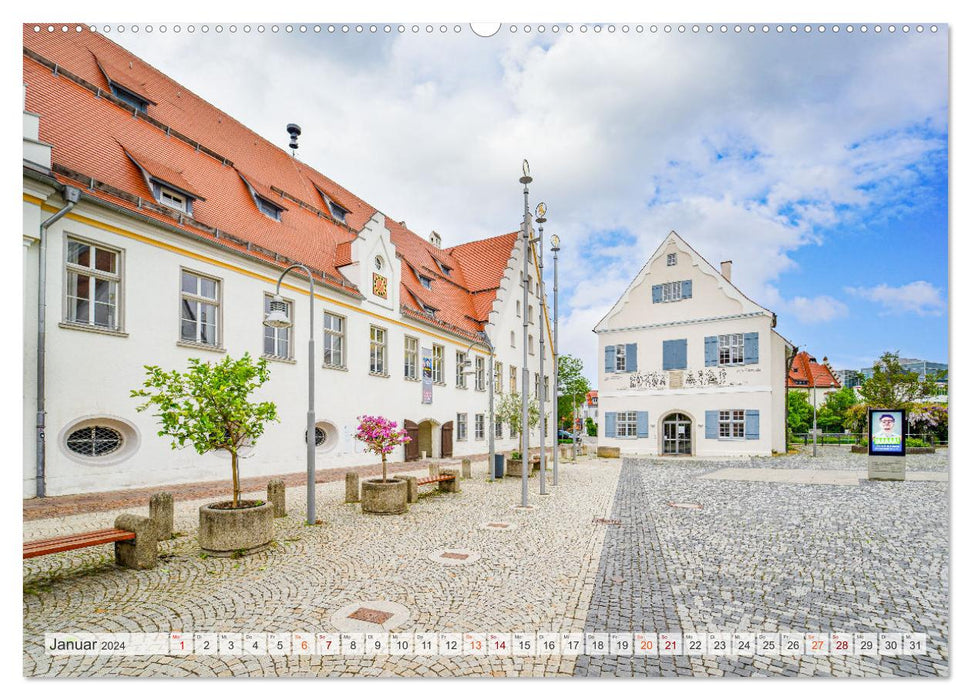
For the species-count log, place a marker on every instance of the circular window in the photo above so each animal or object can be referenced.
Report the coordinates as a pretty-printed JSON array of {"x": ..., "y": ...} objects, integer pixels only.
[
  {"x": 320, "y": 436},
  {"x": 325, "y": 436},
  {"x": 94, "y": 441},
  {"x": 99, "y": 440}
]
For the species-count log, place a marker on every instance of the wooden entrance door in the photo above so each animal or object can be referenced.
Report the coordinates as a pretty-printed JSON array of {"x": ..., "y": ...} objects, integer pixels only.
[
  {"x": 447, "y": 439},
  {"x": 411, "y": 448}
]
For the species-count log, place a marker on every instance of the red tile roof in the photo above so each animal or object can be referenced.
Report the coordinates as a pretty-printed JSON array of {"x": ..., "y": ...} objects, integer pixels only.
[
  {"x": 807, "y": 373},
  {"x": 190, "y": 144}
]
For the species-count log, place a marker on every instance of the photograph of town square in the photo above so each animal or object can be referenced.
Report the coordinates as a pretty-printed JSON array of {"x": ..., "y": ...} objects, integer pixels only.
[{"x": 450, "y": 350}]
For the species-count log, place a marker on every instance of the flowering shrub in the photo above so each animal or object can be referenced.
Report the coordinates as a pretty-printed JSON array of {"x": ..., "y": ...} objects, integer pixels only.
[
  {"x": 381, "y": 436},
  {"x": 928, "y": 418}
]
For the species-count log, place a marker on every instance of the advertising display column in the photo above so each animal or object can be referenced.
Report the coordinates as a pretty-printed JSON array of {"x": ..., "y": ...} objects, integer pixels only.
[{"x": 888, "y": 444}]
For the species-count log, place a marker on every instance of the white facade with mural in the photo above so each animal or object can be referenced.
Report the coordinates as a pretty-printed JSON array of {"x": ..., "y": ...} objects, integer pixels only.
[{"x": 689, "y": 365}]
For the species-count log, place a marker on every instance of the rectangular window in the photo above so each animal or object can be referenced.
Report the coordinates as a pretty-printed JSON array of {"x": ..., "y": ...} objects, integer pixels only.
[
  {"x": 627, "y": 424},
  {"x": 670, "y": 291},
  {"x": 731, "y": 424},
  {"x": 200, "y": 309},
  {"x": 438, "y": 364},
  {"x": 462, "y": 426},
  {"x": 411, "y": 357},
  {"x": 512, "y": 339},
  {"x": 479, "y": 426},
  {"x": 460, "y": 359},
  {"x": 379, "y": 350},
  {"x": 531, "y": 351},
  {"x": 171, "y": 198},
  {"x": 480, "y": 374},
  {"x": 731, "y": 349},
  {"x": 334, "y": 340},
  {"x": 498, "y": 377},
  {"x": 93, "y": 283},
  {"x": 513, "y": 382},
  {"x": 499, "y": 430},
  {"x": 530, "y": 313},
  {"x": 536, "y": 385},
  {"x": 672, "y": 259},
  {"x": 620, "y": 359},
  {"x": 276, "y": 341},
  {"x": 546, "y": 388}
]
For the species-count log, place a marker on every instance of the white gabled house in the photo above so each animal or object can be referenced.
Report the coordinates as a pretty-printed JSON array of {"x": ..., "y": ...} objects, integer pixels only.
[{"x": 689, "y": 365}]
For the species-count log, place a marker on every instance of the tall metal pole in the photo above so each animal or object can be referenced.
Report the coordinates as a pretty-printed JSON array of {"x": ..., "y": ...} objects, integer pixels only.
[
  {"x": 525, "y": 180},
  {"x": 311, "y": 418},
  {"x": 555, "y": 240},
  {"x": 541, "y": 317}
]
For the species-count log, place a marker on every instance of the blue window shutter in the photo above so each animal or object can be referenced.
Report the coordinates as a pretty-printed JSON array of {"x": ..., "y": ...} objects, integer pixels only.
[
  {"x": 751, "y": 348},
  {"x": 610, "y": 358},
  {"x": 751, "y": 425},
  {"x": 686, "y": 289},
  {"x": 631, "y": 357},
  {"x": 656, "y": 293},
  {"x": 667, "y": 355},
  {"x": 610, "y": 424},
  {"x": 675, "y": 354},
  {"x": 683, "y": 354},
  {"x": 711, "y": 425},
  {"x": 711, "y": 350},
  {"x": 642, "y": 424}
]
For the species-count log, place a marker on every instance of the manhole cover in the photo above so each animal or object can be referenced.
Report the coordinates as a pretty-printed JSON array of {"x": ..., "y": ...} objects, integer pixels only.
[
  {"x": 378, "y": 617},
  {"x": 454, "y": 557},
  {"x": 690, "y": 506},
  {"x": 605, "y": 521},
  {"x": 499, "y": 525}
]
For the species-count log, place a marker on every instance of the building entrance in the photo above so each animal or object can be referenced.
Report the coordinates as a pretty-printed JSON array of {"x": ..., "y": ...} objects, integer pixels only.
[{"x": 676, "y": 435}]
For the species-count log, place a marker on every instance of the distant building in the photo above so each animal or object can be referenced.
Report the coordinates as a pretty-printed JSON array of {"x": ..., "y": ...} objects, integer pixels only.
[
  {"x": 815, "y": 379},
  {"x": 590, "y": 407},
  {"x": 689, "y": 365},
  {"x": 923, "y": 368},
  {"x": 848, "y": 377}
]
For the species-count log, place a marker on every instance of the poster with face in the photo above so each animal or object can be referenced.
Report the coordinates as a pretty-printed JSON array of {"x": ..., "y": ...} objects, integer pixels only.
[{"x": 887, "y": 432}]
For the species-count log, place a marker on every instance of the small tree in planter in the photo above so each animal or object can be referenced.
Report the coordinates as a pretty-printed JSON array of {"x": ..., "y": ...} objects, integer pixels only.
[
  {"x": 208, "y": 407},
  {"x": 382, "y": 436},
  {"x": 510, "y": 410}
]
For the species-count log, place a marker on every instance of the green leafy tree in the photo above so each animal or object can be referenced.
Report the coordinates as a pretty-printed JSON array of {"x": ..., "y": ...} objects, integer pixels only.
[
  {"x": 208, "y": 406},
  {"x": 573, "y": 389},
  {"x": 891, "y": 386},
  {"x": 800, "y": 415},
  {"x": 831, "y": 416},
  {"x": 510, "y": 410},
  {"x": 591, "y": 427}
]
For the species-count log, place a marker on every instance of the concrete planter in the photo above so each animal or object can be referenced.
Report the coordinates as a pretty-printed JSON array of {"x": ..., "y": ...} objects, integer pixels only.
[
  {"x": 384, "y": 497},
  {"x": 514, "y": 467},
  {"x": 225, "y": 532}
]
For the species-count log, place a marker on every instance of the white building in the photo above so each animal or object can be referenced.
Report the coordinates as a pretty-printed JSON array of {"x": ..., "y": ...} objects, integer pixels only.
[
  {"x": 184, "y": 221},
  {"x": 689, "y": 364}
]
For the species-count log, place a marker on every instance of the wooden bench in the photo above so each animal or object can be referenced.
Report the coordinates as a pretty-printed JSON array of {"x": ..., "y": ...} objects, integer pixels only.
[
  {"x": 135, "y": 538},
  {"x": 39, "y": 548},
  {"x": 435, "y": 479}
]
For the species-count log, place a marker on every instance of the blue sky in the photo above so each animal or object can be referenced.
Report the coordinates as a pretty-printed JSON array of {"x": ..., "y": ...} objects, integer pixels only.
[{"x": 816, "y": 161}]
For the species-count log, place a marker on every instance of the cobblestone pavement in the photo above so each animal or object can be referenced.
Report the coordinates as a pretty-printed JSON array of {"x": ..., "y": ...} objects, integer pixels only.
[
  {"x": 758, "y": 556},
  {"x": 772, "y": 557},
  {"x": 536, "y": 577}
]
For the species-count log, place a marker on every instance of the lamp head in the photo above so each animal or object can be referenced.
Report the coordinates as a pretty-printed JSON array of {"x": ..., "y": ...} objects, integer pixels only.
[
  {"x": 525, "y": 179},
  {"x": 555, "y": 242},
  {"x": 277, "y": 318}
]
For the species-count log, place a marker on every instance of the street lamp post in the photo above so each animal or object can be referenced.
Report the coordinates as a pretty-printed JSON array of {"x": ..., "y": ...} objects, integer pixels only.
[
  {"x": 277, "y": 318},
  {"x": 541, "y": 219},
  {"x": 555, "y": 243},
  {"x": 492, "y": 398},
  {"x": 525, "y": 180}
]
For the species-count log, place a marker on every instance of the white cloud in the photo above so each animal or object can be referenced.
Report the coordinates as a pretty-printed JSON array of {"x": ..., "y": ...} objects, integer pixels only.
[
  {"x": 817, "y": 309},
  {"x": 921, "y": 298}
]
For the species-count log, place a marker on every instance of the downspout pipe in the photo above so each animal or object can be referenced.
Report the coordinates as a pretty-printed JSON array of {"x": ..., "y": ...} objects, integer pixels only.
[{"x": 71, "y": 196}]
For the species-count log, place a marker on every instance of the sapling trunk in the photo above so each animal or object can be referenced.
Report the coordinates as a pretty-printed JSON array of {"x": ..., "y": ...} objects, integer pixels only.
[
  {"x": 384, "y": 467},
  {"x": 235, "y": 479}
]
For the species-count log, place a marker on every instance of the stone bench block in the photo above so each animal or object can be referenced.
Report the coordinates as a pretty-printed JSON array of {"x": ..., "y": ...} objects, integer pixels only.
[
  {"x": 276, "y": 493},
  {"x": 352, "y": 488},
  {"x": 161, "y": 511},
  {"x": 142, "y": 552},
  {"x": 608, "y": 452},
  {"x": 451, "y": 486}
]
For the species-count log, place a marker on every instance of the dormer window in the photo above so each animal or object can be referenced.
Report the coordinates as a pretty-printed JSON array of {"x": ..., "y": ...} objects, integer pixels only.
[
  {"x": 446, "y": 270},
  {"x": 268, "y": 208},
  {"x": 337, "y": 211},
  {"x": 426, "y": 282},
  {"x": 129, "y": 97},
  {"x": 172, "y": 197}
]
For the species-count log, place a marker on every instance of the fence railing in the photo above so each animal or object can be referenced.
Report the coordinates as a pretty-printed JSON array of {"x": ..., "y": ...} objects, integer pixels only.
[{"x": 857, "y": 438}]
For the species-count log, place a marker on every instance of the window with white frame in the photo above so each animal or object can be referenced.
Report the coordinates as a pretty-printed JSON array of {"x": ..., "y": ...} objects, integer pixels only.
[
  {"x": 531, "y": 349},
  {"x": 479, "y": 426},
  {"x": 499, "y": 430},
  {"x": 498, "y": 377},
  {"x": 276, "y": 341},
  {"x": 536, "y": 385},
  {"x": 200, "y": 309},
  {"x": 672, "y": 259},
  {"x": 731, "y": 349},
  {"x": 176, "y": 200},
  {"x": 438, "y": 364},
  {"x": 334, "y": 338},
  {"x": 513, "y": 382},
  {"x": 411, "y": 357},
  {"x": 460, "y": 360},
  {"x": 627, "y": 424},
  {"x": 731, "y": 424},
  {"x": 379, "y": 350},
  {"x": 93, "y": 285},
  {"x": 480, "y": 374},
  {"x": 531, "y": 313},
  {"x": 620, "y": 358},
  {"x": 546, "y": 387},
  {"x": 462, "y": 426},
  {"x": 671, "y": 291},
  {"x": 519, "y": 308}
]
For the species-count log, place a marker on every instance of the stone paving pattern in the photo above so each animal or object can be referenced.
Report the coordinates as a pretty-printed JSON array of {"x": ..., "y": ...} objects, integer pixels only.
[{"x": 758, "y": 556}]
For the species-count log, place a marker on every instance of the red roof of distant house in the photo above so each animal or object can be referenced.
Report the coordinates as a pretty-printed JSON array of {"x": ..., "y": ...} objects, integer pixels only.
[
  {"x": 190, "y": 144},
  {"x": 807, "y": 373},
  {"x": 591, "y": 395}
]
